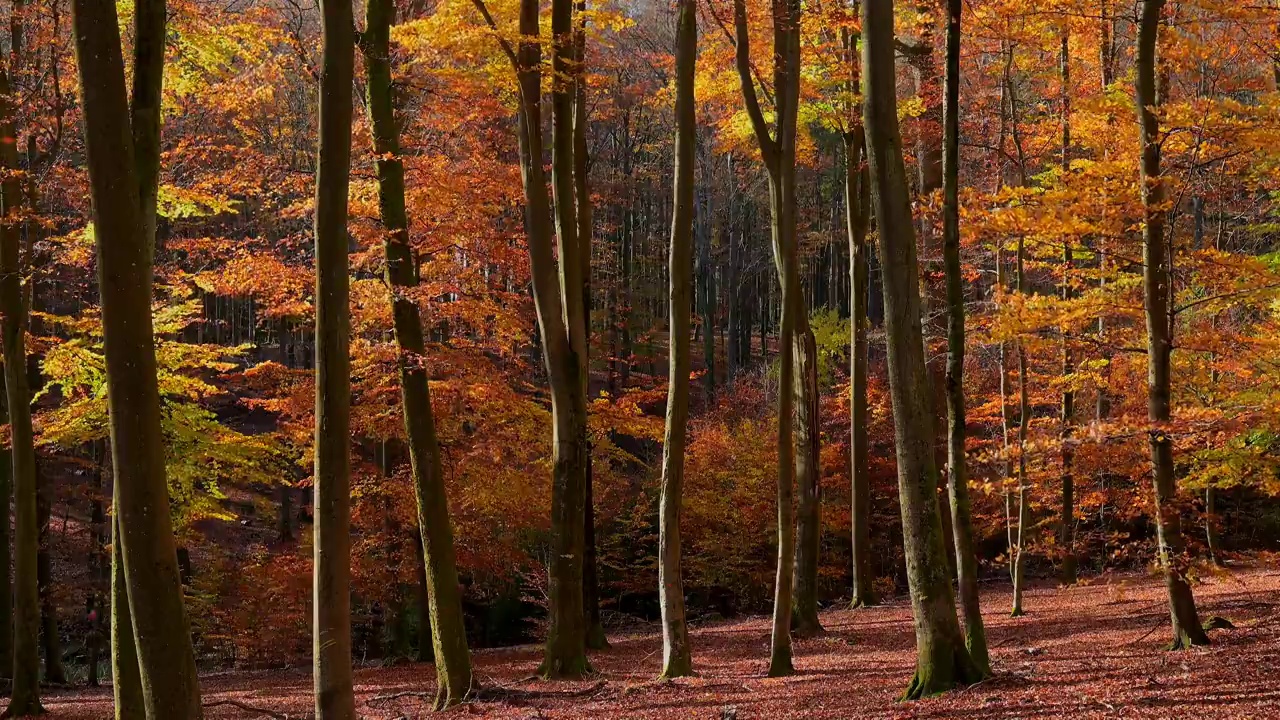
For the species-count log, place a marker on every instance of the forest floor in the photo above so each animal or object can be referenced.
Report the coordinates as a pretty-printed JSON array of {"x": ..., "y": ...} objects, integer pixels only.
[{"x": 1089, "y": 651}]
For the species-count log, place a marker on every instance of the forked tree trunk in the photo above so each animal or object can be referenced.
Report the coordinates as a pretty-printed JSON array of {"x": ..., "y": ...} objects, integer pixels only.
[
  {"x": 557, "y": 294},
  {"x": 942, "y": 661},
  {"x": 777, "y": 150},
  {"x": 331, "y": 633},
  {"x": 166, "y": 661},
  {"x": 1157, "y": 280},
  {"x": 454, "y": 678},
  {"x": 958, "y": 481},
  {"x": 676, "y": 655}
]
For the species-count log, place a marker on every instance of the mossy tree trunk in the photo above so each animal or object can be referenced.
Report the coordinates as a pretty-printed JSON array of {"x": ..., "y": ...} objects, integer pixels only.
[
  {"x": 676, "y": 655},
  {"x": 942, "y": 660},
  {"x": 958, "y": 481},
  {"x": 1157, "y": 281},
  {"x": 449, "y": 639}
]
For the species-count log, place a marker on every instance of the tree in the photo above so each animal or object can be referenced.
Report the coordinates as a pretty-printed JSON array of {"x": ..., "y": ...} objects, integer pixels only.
[
  {"x": 331, "y": 634},
  {"x": 778, "y": 151},
  {"x": 1156, "y": 283},
  {"x": 26, "y": 601},
  {"x": 676, "y": 660},
  {"x": 449, "y": 639},
  {"x": 942, "y": 662},
  {"x": 557, "y": 292},
  {"x": 958, "y": 485},
  {"x": 149, "y": 564},
  {"x": 858, "y": 219},
  {"x": 800, "y": 374}
]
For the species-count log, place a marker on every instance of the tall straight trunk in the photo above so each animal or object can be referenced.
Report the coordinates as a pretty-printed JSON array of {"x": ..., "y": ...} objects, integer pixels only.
[
  {"x": 161, "y": 633},
  {"x": 676, "y": 655},
  {"x": 449, "y": 639},
  {"x": 26, "y": 602},
  {"x": 809, "y": 509},
  {"x": 331, "y": 601},
  {"x": 958, "y": 481},
  {"x": 1024, "y": 420},
  {"x": 942, "y": 661},
  {"x": 1066, "y": 522},
  {"x": 596, "y": 639},
  {"x": 557, "y": 293},
  {"x": 144, "y": 107},
  {"x": 1157, "y": 281},
  {"x": 1106, "y": 60},
  {"x": 857, "y": 184},
  {"x": 777, "y": 150}
]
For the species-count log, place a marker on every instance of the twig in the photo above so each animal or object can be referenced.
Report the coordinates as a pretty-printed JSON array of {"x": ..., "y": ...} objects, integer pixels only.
[
  {"x": 1147, "y": 634},
  {"x": 247, "y": 708}
]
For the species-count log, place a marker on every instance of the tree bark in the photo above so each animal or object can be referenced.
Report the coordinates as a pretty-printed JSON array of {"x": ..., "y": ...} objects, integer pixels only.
[
  {"x": 331, "y": 634},
  {"x": 942, "y": 661},
  {"x": 777, "y": 150},
  {"x": 26, "y": 607},
  {"x": 858, "y": 216},
  {"x": 6, "y": 547},
  {"x": 1157, "y": 281},
  {"x": 1066, "y": 522},
  {"x": 1024, "y": 420},
  {"x": 166, "y": 661},
  {"x": 676, "y": 654},
  {"x": 958, "y": 481},
  {"x": 454, "y": 679}
]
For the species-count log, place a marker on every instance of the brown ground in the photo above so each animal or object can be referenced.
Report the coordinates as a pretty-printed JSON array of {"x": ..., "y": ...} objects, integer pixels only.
[{"x": 1083, "y": 652}]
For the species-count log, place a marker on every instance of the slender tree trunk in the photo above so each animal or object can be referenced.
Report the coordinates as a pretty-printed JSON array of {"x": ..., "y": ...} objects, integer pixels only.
[
  {"x": 126, "y": 677},
  {"x": 166, "y": 661},
  {"x": 958, "y": 481},
  {"x": 26, "y": 616},
  {"x": 596, "y": 639},
  {"x": 676, "y": 655},
  {"x": 777, "y": 150},
  {"x": 6, "y": 549},
  {"x": 331, "y": 634},
  {"x": 858, "y": 217},
  {"x": 1157, "y": 290},
  {"x": 942, "y": 661},
  {"x": 1024, "y": 420},
  {"x": 454, "y": 678},
  {"x": 1066, "y": 522}
]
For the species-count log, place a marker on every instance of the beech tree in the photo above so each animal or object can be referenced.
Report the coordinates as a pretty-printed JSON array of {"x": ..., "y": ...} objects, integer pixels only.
[
  {"x": 148, "y": 564},
  {"x": 942, "y": 661},
  {"x": 958, "y": 479},
  {"x": 676, "y": 655},
  {"x": 454, "y": 679},
  {"x": 331, "y": 634},
  {"x": 1157, "y": 281}
]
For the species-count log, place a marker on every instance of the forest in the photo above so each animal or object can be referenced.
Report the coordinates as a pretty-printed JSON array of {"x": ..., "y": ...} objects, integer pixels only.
[{"x": 640, "y": 359}]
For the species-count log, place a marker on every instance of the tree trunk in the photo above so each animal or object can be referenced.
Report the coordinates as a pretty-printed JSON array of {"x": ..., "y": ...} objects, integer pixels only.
[
  {"x": 1157, "y": 281},
  {"x": 1066, "y": 522},
  {"x": 331, "y": 634},
  {"x": 942, "y": 661},
  {"x": 1024, "y": 420},
  {"x": 166, "y": 661},
  {"x": 858, "y": 210},
  {"x": 454, "y": 680},
  {"x": 126, "y": 676},
  {"x": 958, "y": 481},
  {"x": 26, "y": 616},
  {"x": 777, "y": 150},
  {"x": 676, "y": 655}
]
